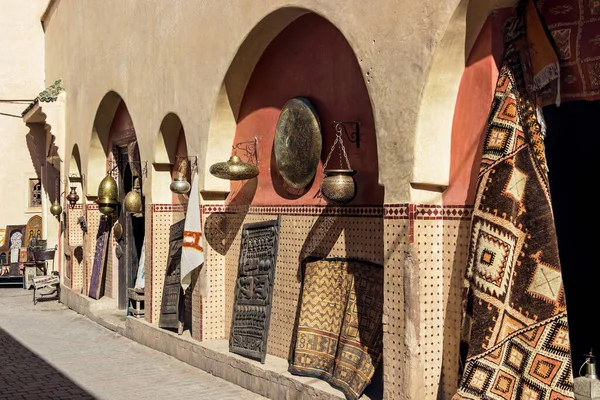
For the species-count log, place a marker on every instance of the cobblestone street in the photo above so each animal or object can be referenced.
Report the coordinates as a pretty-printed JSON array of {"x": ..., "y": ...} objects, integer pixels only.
[{"x": 50, "y": 352}]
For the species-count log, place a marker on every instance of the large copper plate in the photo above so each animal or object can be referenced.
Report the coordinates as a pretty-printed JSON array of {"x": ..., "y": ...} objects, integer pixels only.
[{"x": 298, "y": 142}]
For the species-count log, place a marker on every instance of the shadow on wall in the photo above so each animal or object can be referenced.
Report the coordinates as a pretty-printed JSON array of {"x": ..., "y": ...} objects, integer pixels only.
[{"x": 221, "y": 228}]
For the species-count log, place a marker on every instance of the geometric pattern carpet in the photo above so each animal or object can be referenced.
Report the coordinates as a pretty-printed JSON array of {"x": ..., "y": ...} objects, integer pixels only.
[
  {"x": 515, "y": 330},
  {"x": 339, "y": 329}
]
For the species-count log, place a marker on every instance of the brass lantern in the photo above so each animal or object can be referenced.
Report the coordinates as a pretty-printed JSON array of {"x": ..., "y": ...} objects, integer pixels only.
[
  {"x": 133, "y": 199},
  {"x": 107, "y": 195},
  {"x": 235, "y": 169}
]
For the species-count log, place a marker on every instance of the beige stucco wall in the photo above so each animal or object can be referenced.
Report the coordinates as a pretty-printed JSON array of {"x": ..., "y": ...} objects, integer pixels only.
[
  {"x": 21, "y": 78},
  {"x": 172, "y": 56}
]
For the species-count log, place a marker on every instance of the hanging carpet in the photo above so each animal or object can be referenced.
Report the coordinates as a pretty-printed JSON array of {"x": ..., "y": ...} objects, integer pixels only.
[
  {"x": 339, "y": 330},
  {"x": 515, "y": 323}
]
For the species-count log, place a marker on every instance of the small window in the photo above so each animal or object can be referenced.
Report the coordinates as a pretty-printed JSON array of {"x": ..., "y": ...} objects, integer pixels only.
[{"x": 35, "y": 193}]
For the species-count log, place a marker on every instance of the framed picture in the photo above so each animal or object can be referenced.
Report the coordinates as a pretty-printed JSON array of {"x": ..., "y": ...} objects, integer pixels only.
[
  {"x": 34, "y": 194},
  {"x": 23, "y": 255}
]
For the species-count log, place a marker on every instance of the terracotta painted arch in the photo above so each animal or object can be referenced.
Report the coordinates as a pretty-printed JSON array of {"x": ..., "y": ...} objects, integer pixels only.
[{"x": 310, "y": 57}]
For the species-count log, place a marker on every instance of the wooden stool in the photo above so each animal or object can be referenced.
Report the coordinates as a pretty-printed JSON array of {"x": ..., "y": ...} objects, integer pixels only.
[{"x": 136, "y": 302}]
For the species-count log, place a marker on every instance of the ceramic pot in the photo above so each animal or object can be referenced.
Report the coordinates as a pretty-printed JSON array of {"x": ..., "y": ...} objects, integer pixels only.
[{"x": 338, "y": 186}]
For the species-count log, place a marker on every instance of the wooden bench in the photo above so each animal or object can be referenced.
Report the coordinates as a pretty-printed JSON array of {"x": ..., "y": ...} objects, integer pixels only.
[{"x": 46, "y": 286}]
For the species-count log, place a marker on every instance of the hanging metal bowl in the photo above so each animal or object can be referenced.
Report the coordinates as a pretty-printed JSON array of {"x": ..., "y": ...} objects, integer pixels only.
[
  {"x": 234, "y": 169},
  {"x": 338, "y": 186},
  {"x": 180, "y": 185}
]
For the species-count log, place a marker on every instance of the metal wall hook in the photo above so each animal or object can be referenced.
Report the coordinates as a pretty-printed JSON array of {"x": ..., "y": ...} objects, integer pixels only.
[
  {"x": 250, "y": 149},
  {"x": 354, "y": 137}
]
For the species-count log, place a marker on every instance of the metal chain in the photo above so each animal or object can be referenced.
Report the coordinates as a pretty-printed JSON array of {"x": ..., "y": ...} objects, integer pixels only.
[{"x": 338, "y": 139}]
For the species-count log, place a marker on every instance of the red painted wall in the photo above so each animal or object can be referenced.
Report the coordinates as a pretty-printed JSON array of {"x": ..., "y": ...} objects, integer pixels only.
[
  {"x": 473, "y": 104},
  {"x": 309, "y": 58}
]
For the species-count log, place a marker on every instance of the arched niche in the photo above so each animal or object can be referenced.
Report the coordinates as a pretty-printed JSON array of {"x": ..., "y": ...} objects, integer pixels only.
[
  {"x": 437, "y": 109},
  {"x": 311, "y": 58},
  {"x": 169, "y": 150},
  {"x": 99, "y": 142},
  {"x": 229, "y": 99},
  {"x": 75, "y": 176}
]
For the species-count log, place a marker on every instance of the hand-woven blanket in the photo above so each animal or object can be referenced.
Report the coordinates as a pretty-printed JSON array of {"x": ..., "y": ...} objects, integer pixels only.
[
  {"x": 339, "y": 332},
  {"x": 515, "y": 321},
  {"x": 574, "y": 26}
]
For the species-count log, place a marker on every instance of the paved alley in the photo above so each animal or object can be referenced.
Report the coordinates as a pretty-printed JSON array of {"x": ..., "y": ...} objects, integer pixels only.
[{"x": 50, "y": 352}]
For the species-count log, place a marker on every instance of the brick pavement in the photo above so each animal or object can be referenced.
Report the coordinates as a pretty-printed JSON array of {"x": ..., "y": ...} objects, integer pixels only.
[{"x": 50, "y": 352}]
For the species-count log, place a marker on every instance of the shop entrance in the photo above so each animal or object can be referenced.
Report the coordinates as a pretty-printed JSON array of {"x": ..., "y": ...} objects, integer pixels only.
[{"x": 129, "y": 244}]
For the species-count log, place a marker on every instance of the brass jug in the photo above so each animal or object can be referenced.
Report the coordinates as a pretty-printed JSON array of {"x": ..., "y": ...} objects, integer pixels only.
[{"x": 73, "y": 197}]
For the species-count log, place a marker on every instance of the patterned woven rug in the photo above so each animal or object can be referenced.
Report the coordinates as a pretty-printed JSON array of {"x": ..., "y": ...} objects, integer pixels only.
[
  {"x": 515, "y": 325},
  {"x": 339, "y": 332}
]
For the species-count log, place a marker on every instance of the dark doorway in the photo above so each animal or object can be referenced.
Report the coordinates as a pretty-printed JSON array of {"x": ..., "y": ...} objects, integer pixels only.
[
  {"x": 129, "y": 246},
  {"x": 572, "y": 143}
]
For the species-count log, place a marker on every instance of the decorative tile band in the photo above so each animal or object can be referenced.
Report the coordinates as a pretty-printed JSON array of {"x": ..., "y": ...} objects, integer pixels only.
[
  {"x": 77, "y": 206},
  {"x": 91, "y": 206},
  {"x": 168, "y": 207},
  {"x": 304, "y": 210},
  {"x": 391, "y": 211}
]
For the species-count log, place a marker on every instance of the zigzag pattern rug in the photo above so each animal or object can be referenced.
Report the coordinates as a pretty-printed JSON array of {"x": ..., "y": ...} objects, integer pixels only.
[
  {"x": 516, "y": 320},
  {"x": 339, "y": 332}
]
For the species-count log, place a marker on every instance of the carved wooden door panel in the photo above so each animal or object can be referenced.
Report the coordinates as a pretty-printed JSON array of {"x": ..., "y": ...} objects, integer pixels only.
[{"x": 254, "y": 289}]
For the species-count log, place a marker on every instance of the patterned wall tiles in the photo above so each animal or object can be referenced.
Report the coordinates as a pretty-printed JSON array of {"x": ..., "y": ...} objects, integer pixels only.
[
  {"x": 428, "y": 240},
  {"x": 456, "y": 246},
  {"x": 162, "y": 217},
  {"x": 396, "y": 244},
  {"x": 74, "y": 231},
  {"x": 148, "y": 250},
  {"x": 76, "y": 265}
]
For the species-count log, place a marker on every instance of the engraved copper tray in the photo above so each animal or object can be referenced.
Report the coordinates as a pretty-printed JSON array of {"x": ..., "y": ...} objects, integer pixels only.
[{"x": 298, "y": 142}]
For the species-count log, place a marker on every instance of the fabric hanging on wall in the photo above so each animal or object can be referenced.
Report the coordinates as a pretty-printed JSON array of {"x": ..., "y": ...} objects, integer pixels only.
[
  {"x": 545, "y": 68},
  {"x": 192, "y": 252},
  {"x": 515, "y": 323},
  {"x": 574, "y": 26},
  {"x": 140, "y": 280},
  {"x": 339, "y": 331}
]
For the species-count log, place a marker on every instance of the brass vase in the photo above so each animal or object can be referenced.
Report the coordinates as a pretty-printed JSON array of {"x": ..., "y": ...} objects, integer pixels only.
[{"x": 338, "y": 186}]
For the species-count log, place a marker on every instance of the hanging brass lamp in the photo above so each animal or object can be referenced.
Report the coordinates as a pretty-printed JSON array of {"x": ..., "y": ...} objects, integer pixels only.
[
  {"x": 55, "y": 208},
  {"x": 235, "y": 169},
  {"x": 107, "y": 195},
  {"x": 133, "y": 199},
  {"x": 180, "y": 185}
]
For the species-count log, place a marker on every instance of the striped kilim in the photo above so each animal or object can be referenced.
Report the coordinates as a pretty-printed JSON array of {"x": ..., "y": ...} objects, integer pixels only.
[
  {"x": 339, "y": 331},
  {"x": 515, "y": 318}
]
